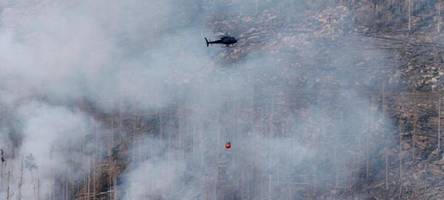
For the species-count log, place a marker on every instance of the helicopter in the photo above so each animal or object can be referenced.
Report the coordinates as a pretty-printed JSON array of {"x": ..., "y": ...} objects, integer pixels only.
[{"x": 227, "y": 40}]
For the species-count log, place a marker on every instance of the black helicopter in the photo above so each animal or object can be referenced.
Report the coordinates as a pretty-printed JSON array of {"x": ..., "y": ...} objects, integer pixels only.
[{"x": 227, "y": 40}]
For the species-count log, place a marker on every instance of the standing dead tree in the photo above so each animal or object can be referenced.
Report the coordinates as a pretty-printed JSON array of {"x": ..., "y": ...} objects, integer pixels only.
[
  {"x": 409, "y": 2},
  {"x": 438, "y": 21}
]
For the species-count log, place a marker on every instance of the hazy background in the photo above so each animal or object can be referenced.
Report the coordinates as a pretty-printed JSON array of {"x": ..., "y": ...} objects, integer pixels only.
[{"x": 289, "y": 106}]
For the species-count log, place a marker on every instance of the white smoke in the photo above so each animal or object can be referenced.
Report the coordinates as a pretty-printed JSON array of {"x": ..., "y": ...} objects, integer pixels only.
[
  {"x": 54, "y": 137},
  {"x": 146, "y": 56}
]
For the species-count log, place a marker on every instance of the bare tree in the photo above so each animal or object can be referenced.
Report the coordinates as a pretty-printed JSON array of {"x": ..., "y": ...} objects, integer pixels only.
[
  {"x": 409, "y": 2},
  {"x": 20, "y": 183},
  {"x": 8, "y": 194},
  {"x": 439, "y": 124},
  {"x": 438, "y": 25}
]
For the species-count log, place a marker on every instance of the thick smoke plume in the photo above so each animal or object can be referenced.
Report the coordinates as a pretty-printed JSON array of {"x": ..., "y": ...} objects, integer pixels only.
[{"x": 289, "y": 104}]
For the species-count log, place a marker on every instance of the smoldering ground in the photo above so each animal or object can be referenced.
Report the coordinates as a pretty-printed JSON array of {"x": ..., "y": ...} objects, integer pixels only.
[{"x": 148, "y": 56}]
